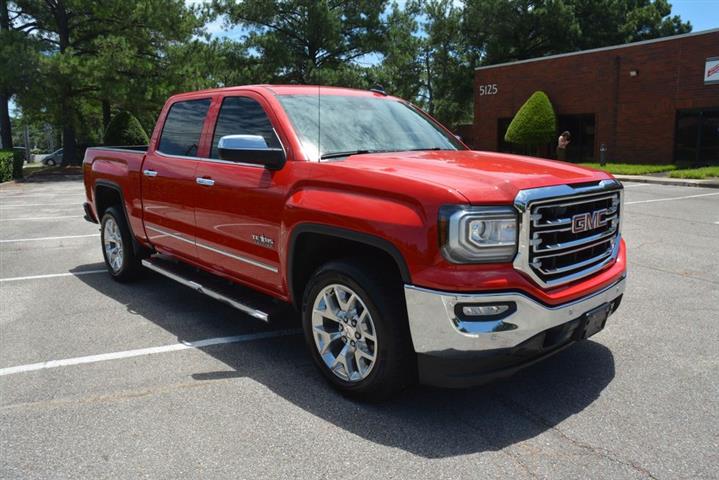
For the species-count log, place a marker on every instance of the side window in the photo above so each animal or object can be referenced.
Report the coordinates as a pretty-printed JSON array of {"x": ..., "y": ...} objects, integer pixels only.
[
  {"x": 243, "y": 116},
  {"x": 183, "y": 126}
]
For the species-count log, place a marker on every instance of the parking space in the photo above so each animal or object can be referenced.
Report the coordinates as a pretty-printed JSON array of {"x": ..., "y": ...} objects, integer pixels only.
[{"x": 158, "y": 381}]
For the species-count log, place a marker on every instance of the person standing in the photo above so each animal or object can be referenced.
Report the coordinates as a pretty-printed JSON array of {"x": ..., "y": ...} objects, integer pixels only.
[{"x": 562, "y": 143}]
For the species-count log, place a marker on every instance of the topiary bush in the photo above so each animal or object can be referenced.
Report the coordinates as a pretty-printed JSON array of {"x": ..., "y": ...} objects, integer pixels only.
[
  {"x": 6, "y": 165},
  {"x": 535, "y": 122},
  {"x": 125, "y": 129}
]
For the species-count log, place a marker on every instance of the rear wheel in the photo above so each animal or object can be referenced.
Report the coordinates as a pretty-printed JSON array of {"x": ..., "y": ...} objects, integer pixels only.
[
  {"x": 117, "y": 248},
  {"x": 355, "y": 327}
]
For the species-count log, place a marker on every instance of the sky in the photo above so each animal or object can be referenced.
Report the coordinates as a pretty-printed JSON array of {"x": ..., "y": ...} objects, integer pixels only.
[{"x": 703, "y": 14}]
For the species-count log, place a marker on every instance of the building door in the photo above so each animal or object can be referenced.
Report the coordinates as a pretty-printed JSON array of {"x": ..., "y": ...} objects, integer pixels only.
[
  {"x": 581, "y": 148},
  {"x": 697, "y": 137}
]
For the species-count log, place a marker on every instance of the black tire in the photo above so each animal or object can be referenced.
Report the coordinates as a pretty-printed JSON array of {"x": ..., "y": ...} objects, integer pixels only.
[
  {"x": 396, "y": 364},
  {"x": 130, "y": 267},
  {"x": 51, "y": 163}
]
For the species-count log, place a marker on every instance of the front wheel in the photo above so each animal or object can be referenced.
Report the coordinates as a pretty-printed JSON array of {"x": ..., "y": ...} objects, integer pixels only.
[
  {"x": 355, "y": 326},
  {"x": 117, "y": 248}
]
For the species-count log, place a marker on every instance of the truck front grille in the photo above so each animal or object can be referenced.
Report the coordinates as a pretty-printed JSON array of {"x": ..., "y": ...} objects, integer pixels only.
[{"x": 570, "y": 237}]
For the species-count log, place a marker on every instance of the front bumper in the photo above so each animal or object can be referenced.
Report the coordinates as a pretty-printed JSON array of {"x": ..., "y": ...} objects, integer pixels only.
[{"x": 454, "y": 350}]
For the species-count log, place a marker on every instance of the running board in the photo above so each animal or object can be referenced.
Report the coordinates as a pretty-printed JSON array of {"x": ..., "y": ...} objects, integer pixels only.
[{"x": 218, "y": 291}]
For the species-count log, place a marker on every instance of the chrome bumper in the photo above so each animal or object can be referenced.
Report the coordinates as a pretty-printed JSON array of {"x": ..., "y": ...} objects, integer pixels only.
[{"x": 436, "y": 327}]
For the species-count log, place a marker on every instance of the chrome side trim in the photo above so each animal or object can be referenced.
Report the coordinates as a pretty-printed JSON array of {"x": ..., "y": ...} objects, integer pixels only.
[
  {"x": 238, "y": 258},
  {"x": 168, "y": 234},
  {"x": 435, "y": 328},
  {"x": 207, "y": 291},
  {"x": 525, "y": 199},
  {"x": 210, "y": 160},
  {"x": 248, "y": 261}
]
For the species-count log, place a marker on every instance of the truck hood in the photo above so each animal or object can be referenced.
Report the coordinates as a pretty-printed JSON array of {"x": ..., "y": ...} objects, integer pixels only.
[{"x": 481, "y": 177}]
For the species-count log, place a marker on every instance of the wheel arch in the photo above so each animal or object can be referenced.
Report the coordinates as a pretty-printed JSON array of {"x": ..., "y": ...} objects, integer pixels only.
[
  {"x": 327, "y": 240},
  {"x": 108, "y": 194}
]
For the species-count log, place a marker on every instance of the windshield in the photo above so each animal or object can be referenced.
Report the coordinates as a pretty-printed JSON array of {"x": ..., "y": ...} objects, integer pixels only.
[{"x": 361, "y": 124}]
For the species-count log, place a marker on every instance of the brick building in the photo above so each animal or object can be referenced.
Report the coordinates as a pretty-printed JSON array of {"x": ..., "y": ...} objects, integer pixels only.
[{"x": 648, "y": 102}]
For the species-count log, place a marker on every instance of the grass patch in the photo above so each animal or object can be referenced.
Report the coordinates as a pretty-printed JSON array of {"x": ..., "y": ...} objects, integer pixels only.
[
  {"x": 33, "y": 167},
  {"x": 630, "y": 169},
  {"x": 697, "y": 173}
]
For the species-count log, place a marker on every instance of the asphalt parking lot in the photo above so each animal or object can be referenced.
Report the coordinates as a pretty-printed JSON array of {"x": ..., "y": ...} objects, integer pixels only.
[{"x": 132, "y": 396}]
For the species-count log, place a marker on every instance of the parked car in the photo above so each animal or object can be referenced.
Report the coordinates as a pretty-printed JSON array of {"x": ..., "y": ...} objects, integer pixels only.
[
  {"x": 409, "y": 256},
  {"x": 55, "y": 158}
]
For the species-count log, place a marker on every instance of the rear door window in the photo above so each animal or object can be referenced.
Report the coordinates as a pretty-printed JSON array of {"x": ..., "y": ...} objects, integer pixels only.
[
  {"x": 243, "y": 116},
  {"x": 183, "y": 127}
]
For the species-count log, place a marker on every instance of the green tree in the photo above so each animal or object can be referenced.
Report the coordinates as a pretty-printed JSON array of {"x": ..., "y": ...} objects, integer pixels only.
[
  {"x": 448, "y": 68},
  {"x": 298, "y": 38},
  {"x": 507, "y": 30},
  {"x": 125, "y": 129},
  {"x": 400, "y": 70},
  {"x": 535, "y": 122},
  {"x": 102, "y": 52},
  {"x": 19, "y": 56}
]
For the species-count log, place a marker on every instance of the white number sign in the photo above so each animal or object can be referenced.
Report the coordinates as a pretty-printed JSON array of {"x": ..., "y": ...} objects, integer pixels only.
[{"x": 489, "y": 89}]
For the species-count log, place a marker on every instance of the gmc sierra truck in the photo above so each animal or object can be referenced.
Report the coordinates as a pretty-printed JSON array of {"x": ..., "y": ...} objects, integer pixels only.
[{"x": 409, "y": 256}]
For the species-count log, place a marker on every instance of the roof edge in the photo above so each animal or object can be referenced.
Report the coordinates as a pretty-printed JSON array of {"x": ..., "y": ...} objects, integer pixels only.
[{"x": 600, "y": 49}]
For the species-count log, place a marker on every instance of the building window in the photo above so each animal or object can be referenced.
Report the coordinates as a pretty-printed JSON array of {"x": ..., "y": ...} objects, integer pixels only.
[{"x": 696, "y": 140}]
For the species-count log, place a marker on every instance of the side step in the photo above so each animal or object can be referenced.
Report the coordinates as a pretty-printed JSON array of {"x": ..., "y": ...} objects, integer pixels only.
[{"x": 211, "y": 286}]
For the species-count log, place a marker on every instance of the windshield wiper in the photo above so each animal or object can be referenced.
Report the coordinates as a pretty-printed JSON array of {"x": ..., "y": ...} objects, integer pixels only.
[
  {"x": 425, "y": 149},
  {"x": 347, "y": 153}
]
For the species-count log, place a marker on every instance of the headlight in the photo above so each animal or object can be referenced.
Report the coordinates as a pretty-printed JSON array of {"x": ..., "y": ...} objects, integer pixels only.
[{"x": 478, "y": 234}]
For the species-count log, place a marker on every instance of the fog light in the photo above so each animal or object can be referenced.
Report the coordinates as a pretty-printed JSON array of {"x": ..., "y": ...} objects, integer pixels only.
[{"x": 484, "y": 310}]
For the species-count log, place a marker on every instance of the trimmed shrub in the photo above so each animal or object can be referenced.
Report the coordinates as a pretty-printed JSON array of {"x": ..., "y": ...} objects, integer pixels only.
[
  {"x": 6, "y": 165},
  {"x": 125, "y": 129},
  {"x": 535, "y": 122}
]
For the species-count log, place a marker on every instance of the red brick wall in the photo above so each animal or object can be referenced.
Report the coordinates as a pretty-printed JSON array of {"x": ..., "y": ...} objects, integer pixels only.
[{"x": 634, "y": 116}]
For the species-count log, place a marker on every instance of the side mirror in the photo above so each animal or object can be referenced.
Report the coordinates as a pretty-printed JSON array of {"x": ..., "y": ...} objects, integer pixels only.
[{"x": 250, "y": 149}]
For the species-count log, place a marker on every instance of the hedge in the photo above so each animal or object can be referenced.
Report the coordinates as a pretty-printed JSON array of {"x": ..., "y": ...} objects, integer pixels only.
[
  {"x": 9, "y": 160},
  {"x": 125, "y": 129},
  {"x": 535, "y": 122}
]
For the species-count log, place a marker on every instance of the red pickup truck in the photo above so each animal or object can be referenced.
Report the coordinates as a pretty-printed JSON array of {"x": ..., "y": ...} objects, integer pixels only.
[{"x": 410, "y": 257}]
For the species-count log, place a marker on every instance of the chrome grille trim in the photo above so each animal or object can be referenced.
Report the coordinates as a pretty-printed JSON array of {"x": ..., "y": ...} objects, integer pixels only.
[
  {"x": 574, "y": 243},
  {"x": 531, "y": 251}
]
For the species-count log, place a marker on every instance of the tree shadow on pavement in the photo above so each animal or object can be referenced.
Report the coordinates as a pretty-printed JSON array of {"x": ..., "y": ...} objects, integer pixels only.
[{"x": 431, "y": 423}]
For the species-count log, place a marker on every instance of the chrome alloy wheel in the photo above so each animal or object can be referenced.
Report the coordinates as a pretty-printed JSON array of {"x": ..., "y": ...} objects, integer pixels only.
[
  {"x": 112, "y": 239},
  {"x": 344, "y": 334}
]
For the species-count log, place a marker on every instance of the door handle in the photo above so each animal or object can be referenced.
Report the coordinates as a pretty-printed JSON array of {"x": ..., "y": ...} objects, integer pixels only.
[
  {"x": 208, "y": 182},
  {"x": 149, "y": 173}
]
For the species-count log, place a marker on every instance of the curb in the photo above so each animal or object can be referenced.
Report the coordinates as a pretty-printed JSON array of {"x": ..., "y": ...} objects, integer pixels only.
[{"x": 678, "y": 182}]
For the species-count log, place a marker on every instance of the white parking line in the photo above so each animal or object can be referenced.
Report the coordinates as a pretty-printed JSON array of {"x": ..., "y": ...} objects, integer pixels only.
[
  {"x": 635, "y": 185},
  {"x": 52, "y": 275},
  {"x": 33, "y": 195},
  {"x": 103, "y": 357},
  {"x": 29, "y": 193},
  {"x": 20, "y": 205},
  {"x": 47, "y": 238},
  {"x": 19, "y": 219},
  {"x": 671, "y": 198}
]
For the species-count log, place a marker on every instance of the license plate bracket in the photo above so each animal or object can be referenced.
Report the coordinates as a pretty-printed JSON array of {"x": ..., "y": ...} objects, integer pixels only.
[{"x": 593, "y": 321}]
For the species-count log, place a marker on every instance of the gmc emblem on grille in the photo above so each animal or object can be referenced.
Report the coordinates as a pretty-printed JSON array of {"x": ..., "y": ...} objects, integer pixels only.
[{"x": 584, "y": 222}]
